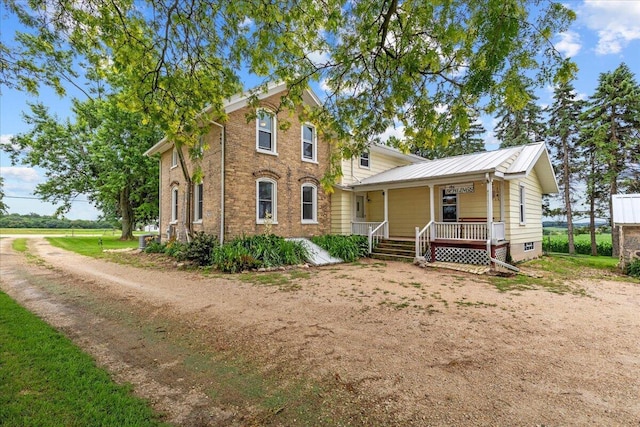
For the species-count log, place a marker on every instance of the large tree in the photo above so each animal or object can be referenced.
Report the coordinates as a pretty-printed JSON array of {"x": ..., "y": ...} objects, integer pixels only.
[
  {"x": 421, "y": 64},
  {"x": 612, "y": 123},
  {"x": 522, "y": 123},
  {"x": 99, "y": 153},
  {"x": 3, "y": 206},
  {"x": 562, "y": 137},
  {"x": 470, "y": 141}
]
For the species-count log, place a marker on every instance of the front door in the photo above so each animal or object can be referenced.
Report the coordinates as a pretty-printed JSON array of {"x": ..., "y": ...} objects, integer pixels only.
[
  {"x": 449, "y": 207},
  {"x": 359, "y": 207}
]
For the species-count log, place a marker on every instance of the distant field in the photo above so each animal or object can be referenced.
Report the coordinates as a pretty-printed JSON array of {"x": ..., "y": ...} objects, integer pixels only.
[{"x": 558, "y": 241}]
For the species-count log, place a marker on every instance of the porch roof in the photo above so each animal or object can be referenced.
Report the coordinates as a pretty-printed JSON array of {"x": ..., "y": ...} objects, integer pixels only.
[{"x": 507, "y": 163}]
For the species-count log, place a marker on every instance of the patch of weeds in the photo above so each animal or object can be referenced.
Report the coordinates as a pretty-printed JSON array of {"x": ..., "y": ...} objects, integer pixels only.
[
  {"x": 284, "y": 282},
  {"x": 415, "y": 285},
  {"x": 19, "y": 245},
  {"x": 521, "y": 282},
  {"x": 463, "y": 303},
  {"x": 395, "y": 305}
]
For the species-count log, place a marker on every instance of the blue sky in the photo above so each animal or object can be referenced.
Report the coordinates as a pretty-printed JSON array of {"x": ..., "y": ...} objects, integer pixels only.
[{"x": 605, "y": 34}]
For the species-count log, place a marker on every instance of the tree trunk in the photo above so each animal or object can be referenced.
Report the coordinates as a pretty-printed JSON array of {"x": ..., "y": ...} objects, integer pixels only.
[
  {"x": 127, "y": 214},
  {"x": 615, "y": 231},
  {"x": 567, "y": 196},
  {"x": 592, "y": 226}
]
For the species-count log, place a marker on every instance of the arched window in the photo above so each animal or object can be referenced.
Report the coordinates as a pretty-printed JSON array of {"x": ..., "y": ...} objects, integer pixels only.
[
  {"x": 309, "y": 202},
  {"x": 266, "y": 132},
  {"x": 174, "y": 204},
  {"x": 266, "y": 201}
]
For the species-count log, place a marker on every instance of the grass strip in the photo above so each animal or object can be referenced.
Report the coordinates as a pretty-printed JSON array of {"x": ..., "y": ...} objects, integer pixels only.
[
  {"x": 92, "y": 246},
  {"x": 45, "y": 380}
]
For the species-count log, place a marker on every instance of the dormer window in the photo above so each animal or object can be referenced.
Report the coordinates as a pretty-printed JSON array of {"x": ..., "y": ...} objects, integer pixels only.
[
  {"x": 174, "y": 158},
  {"x": 364, "y": 160},
  {"x": 265, "y": 132}
]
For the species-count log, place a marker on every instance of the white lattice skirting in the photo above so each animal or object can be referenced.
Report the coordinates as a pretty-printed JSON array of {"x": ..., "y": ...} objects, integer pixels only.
[
  {"x": 463, "y": 255},
  {"x": 501, "y": 254}
]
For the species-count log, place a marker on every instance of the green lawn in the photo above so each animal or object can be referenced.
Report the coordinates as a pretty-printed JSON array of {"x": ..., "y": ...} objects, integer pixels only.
[
  {"x": 90, "y": 245},
  {"x": 45, "y": 380}
]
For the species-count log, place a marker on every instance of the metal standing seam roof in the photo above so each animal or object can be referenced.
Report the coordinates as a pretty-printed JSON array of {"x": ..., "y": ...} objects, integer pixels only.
[
  {"x": 626, "y": 209},
  {"x": 513, "y": 160}
]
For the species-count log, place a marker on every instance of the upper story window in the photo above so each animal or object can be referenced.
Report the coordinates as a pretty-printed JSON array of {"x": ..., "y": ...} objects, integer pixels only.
[
  {"x": 309, "y": 149},
  {"x": 199, "y": 148},
  {"x": 364, "y": 160},
  {"x": 309, "y": 203},
  {"x": 174, "y": 204},
  {"x": 174, "y": 158},
  {"x": 198, "y": 193},
  {"x": 266, "y": 132},
  {"x": 522, "y": 205},
  {"x": 266, "y": 201}
]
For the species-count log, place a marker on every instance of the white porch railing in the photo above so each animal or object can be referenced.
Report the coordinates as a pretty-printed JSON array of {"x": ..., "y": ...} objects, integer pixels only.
[
  {"x": 461, "y": 230},
  {"x": 377, "y": 234},
  {"x": 423, "y": 239},
  {"x": 362, "y": 228},
  {"x": 468, "y": 231}
]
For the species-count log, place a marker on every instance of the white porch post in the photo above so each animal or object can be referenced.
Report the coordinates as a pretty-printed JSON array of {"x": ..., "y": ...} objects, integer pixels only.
[
  {"x": 432, "y": 210},
  {"x": 385, "y": 193},
  {"x": 501, "y": 201},
  {"x": 489, "y": 212}
]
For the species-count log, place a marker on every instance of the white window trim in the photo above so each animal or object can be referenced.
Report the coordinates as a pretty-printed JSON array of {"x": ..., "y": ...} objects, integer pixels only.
[
  {"x": 314, "y": 159},
  {"x": 174, "y": 158},
  {"x": 274, "y": 202},
  {"x": 532, "y": 247},
  {"x": 368, "y": 158},
  {"x": 196, "y": 201},
  {"x": 522, "y": 205},
  {"x": 274, "y": 133},
  {"x": 175, "y": 198},
  {"x": 314, "y": 220}
]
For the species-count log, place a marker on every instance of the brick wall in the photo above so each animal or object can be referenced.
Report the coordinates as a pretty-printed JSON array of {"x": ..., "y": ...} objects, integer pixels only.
[{"x": 244, "y": 165}]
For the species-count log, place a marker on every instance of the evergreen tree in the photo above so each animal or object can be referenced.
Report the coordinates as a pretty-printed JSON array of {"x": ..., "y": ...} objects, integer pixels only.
[
  {"x": 3, "y": 206},
  {"x": 612, "y": 123},
  {"x": 563, "y": 135},
  {"x": 468, "y": 142},
  {"x": 521, "y": 124}
]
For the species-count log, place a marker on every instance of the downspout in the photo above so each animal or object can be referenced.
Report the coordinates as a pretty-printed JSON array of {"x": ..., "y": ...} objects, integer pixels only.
[
  {"x": 489, "y": 181},
  {"x": 160, "y": 200},
  {"x": 222, "y": 144}
]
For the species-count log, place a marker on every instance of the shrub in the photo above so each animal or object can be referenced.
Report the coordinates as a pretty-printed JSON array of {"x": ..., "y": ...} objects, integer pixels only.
[
  {"x": 176, "y": 249},
  {"x": 154, "y": 247},
  {"x": 348, "y": 248},
  {"x": 200, "y": 248},
  {"x": 257, "y": 251},
  {"x": 633, "y": 269}
]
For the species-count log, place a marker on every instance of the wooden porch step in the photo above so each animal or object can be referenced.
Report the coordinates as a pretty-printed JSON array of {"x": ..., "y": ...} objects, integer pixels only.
[{"x": 394, "y": 250}]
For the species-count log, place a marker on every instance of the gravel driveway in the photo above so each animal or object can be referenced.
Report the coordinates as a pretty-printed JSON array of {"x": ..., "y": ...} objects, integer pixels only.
[{"x": 413, "y": 346}]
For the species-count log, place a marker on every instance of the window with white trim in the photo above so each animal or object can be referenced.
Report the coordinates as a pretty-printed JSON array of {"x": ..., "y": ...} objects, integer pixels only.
[
  {"x": 309, "y": 143},
  {"x": 174, "y": 204},
  {"x": 522, "y": 205},
  {"x": 174, "y": 158},
  {"x": 266, "y": 132},
  {"x": 198, "y": 193},
  {"x": 528, "y": 246},
  {"x": 309, "y": 201},
  {"x": 364, "y": 160},
  {"x": 266, "y": 200}
]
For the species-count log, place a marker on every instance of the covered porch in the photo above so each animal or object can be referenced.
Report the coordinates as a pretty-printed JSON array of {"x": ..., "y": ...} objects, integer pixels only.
[{"x": 459, "y": 220}]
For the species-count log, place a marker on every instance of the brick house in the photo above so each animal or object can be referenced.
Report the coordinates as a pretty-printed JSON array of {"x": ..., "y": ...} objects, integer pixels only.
[{"x": 255, "y": 175}]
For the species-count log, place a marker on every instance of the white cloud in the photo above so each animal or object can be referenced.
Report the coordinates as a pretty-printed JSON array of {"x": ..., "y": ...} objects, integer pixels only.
[
  {"x": 5, "y": 139},
  {"x": 569, "y": 44},
  {"x": 616, "y": 22},
  {"x": 20, "y": 173},
  {"x": 397, "y": 131}
]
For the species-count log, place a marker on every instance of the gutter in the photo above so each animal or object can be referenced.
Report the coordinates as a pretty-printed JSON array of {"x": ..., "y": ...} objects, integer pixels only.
[{"x": 222, "y": 144}]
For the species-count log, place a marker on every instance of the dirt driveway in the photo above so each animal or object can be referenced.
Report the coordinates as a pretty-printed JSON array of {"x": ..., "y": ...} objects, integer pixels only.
[{"x": 401, "y": 345}]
